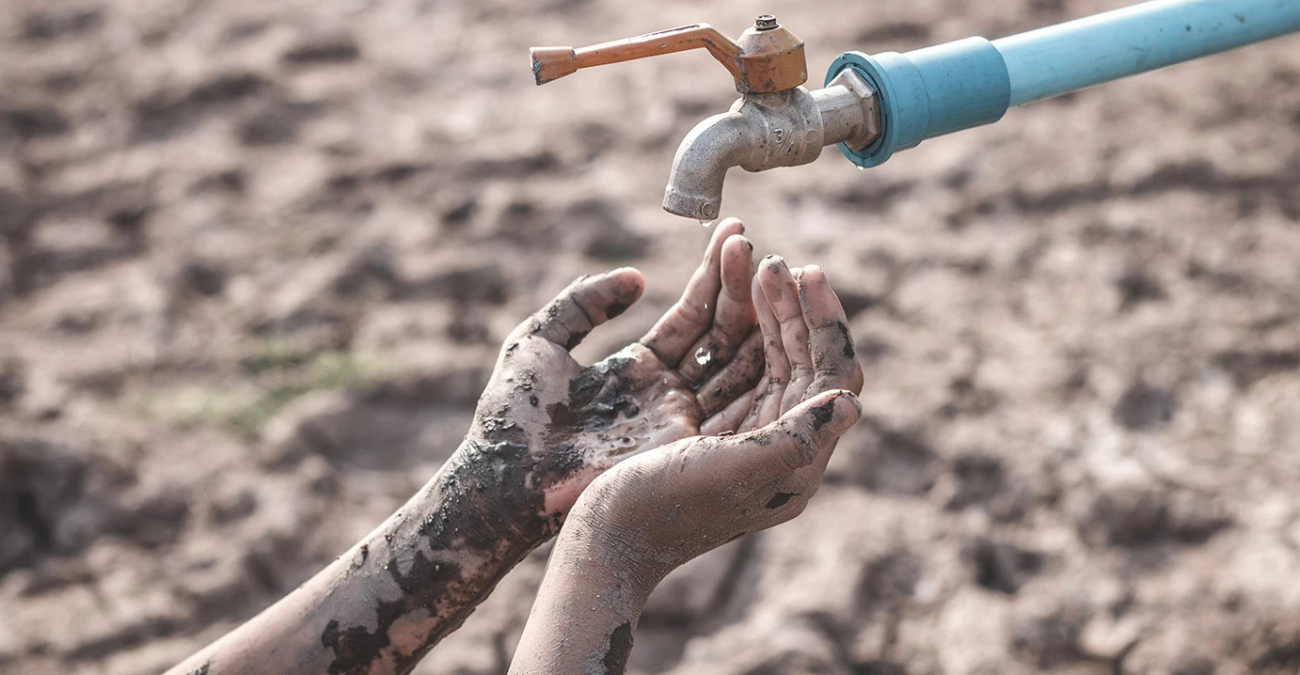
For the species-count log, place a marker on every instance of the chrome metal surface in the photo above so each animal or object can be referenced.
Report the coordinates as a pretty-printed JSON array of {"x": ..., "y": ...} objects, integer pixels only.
[{"x": 849, "y": 109}]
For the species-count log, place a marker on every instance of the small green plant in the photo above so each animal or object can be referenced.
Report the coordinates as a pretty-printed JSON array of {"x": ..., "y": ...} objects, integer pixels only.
[
  {"x": 282, "y": 374},
  {"x": 276, "y": 354}
]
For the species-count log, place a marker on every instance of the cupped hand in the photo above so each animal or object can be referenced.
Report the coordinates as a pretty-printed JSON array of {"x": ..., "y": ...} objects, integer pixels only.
[
  {"x": 669, "y": 505},
  {"x": 807, "y": 347},
  {"x": 661, "y": 509},
  {"x": 546, "y": 426}
]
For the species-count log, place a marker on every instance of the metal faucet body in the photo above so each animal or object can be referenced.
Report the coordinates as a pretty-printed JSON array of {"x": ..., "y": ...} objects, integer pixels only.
[
  {"x": 760, "y": 132},
  {"x": 767, "y": 131}
]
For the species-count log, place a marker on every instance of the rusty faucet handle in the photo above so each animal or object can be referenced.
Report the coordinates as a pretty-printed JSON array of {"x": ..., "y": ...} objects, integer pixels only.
[{"x": 767, "y": 58}]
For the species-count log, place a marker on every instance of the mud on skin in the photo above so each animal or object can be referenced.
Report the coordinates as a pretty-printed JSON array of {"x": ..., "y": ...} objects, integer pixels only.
[
  {"x": 594, "y": 402},
  {"x": 849, "y": 350},
  {"x": 780, "y": 499},
  {"x": 491, "y": 499},
  {"x": 620, "y": 647},
  {"x": 823, "y": 414}
]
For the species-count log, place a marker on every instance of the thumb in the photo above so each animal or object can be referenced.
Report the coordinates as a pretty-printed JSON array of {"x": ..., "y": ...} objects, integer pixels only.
[
  {"x": 795, "y": 440},
  {"x": 585, "y": 304}
]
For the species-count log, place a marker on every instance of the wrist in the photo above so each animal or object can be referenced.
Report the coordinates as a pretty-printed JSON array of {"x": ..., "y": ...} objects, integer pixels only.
[
  {"x": 603, "y": 548},
  {"x": 484, "y": 493},
  {"x": 587, "y": 608}
]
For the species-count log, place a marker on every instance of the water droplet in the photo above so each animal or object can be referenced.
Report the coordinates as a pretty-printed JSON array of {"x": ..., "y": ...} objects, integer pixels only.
[
  {"x": 625, "y": 442},
  {"x": 703, "y": 356},
  {"x": 706, "y": 223}
]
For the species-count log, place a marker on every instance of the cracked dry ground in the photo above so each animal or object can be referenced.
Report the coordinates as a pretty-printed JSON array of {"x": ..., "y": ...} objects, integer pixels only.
[{"x": 257, "y": 258}]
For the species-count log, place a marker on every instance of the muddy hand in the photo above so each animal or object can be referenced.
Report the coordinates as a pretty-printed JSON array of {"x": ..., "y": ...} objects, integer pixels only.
[
  {"x": 650, "y": 514},
  {"x": 806, "y": 346},
  {"x": 558, "y": 424},
  {"x": 678, "y": 502}
]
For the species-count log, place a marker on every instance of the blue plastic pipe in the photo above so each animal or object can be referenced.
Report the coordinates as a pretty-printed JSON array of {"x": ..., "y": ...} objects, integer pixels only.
[{"x": 958, "y": 85}]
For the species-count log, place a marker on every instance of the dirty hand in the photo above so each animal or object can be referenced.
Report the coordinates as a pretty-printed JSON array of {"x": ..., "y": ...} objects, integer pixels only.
[
  {"x": 701, "y": 492},
  {"x": 651, "y": 513},
  {"x": 546, "y": 425},
  {"x": 807, "y": 347},
  {"x": 662, "y": 509}
]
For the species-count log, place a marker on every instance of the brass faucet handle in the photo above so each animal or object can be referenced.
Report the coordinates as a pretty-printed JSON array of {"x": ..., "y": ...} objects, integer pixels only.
[
  {"x": 552, "y": 63},
  {"x": 768, "y": 57}
]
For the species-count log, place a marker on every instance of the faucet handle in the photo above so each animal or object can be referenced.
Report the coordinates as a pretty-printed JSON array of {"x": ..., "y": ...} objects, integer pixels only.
[{"x": 767, "y": 58}]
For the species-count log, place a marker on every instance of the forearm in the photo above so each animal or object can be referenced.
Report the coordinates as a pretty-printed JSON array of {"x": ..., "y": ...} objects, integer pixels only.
[
  {"x": 381, "y": 606},
  {"x": 586, "y": 610}
]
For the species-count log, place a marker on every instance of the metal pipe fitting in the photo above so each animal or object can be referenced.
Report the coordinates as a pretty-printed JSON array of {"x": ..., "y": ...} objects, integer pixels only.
[{"x": 849, "y": 111}]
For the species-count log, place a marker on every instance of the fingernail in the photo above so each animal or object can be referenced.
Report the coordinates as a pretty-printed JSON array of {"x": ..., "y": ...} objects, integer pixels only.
[
  {"x": 846, "y": 417},
  {"x": 836, "y": 415},
  {"x": 853, "y": 398}
]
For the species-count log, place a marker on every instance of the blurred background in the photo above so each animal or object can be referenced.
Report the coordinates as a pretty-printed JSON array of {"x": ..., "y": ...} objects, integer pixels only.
[{"x": 258, "y": 257}]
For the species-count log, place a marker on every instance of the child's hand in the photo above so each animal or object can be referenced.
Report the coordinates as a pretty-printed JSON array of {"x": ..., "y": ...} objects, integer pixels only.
[
  {"x": 678, "y": 502},
  {"x": 644, "y": 517},
  {"x": 657, "y": 511},
  {"x": 546, "y": 426},
  {"x": 806, "y": 346}
]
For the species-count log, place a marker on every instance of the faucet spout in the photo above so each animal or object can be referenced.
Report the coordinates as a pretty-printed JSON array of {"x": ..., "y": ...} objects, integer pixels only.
[
  {"x": 762, "y": 131},
  {"x": 765, "y": 131},
  {"x": 708, "y": 151}
]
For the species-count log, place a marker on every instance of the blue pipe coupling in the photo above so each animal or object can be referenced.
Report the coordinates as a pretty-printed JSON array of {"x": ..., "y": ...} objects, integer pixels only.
[
  {"x": 929, "y": 92},
  {"x": 963, "y": 84}
]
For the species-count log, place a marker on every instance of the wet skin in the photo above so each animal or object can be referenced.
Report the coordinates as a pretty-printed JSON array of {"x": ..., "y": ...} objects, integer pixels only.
[
  {"x": 544, "y": 429},
  {"x": 647, "y": 516}
]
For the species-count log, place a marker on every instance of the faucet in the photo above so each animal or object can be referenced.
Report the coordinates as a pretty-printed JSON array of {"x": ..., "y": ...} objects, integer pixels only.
[
  {"x": 776, "y": 122},
  {"x": 874, "y": 105}
]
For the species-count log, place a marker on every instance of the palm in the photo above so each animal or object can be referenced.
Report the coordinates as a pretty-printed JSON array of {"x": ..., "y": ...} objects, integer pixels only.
[
  {"x": 579, "y": 421},
  {"x": 616, "y": 407}
]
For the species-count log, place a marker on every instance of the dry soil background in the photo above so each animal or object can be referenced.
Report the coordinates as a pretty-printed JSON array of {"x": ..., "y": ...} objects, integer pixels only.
[{"x": 258, "y": 255}]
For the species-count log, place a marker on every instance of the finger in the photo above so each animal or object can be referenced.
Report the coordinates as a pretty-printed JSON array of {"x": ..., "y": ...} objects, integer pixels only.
[
  {"x": 834, "y": 362},
  {"x": 739, "y": 376},
  {"x": 776, "y": 373},
  {"x": 692, "y": 315},
  {"x": 733, "y": 318},
  {"x": 729, "y": 418},
  {"x": 805, "y": 482},
  {"x": 782, "y": 294},
  {"x": 799, "y": 439},
  {"x": 585, "y": 304}
]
